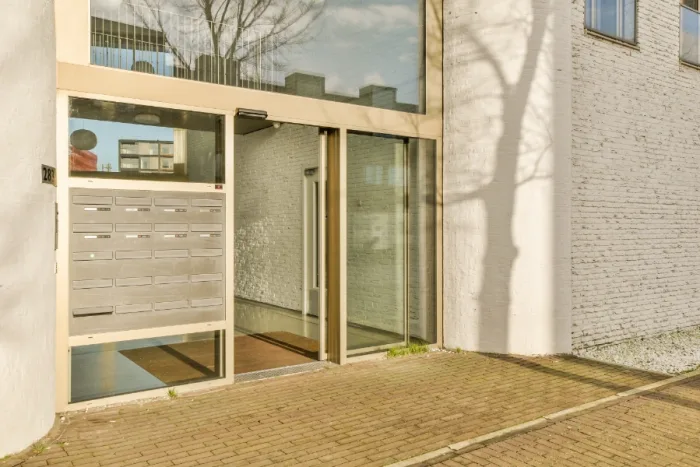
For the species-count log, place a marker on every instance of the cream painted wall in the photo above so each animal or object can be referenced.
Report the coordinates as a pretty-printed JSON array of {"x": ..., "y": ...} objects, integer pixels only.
[
  {"x": 27, "y": 281},
  {"x": 507, "y": 150}
]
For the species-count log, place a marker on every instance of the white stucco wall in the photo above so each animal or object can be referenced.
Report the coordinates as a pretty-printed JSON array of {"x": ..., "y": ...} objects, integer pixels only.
[
  {"x": 27, "y": 281},
  {"x": 507, "y": 148},
  {"x": 635, "y": 165}
]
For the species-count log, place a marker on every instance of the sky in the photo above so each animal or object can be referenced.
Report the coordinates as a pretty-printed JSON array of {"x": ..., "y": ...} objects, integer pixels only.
[
  {"x": 364, "y": 42},
  {"x": 353, "y": 43}
]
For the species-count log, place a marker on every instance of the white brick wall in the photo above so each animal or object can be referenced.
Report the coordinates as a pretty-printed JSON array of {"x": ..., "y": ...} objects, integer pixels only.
[
  {"x": 268, "y": 192},
  {"x": 636, "y": 190}
]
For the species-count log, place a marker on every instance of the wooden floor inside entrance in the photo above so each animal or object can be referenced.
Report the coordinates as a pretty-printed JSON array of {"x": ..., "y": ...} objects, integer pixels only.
[
  {"x": 189, "y": 361},
  {"x": 257, "y": 352}
]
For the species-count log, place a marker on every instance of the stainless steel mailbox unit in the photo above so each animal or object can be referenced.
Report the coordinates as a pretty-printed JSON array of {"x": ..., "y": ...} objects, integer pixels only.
[{"x": 143, "y": 259}]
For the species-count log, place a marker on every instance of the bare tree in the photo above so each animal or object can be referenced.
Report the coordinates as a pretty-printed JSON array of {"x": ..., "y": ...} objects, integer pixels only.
[{"x": 246, "y": 35}]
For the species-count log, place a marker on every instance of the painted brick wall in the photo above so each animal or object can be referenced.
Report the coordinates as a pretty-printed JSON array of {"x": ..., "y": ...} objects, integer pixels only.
[
  {"x": 269, "y": 179},
  {"x": 636, "y": 189}
]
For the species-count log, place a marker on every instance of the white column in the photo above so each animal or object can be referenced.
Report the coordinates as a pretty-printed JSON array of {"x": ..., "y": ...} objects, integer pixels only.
[
  {"x": 507, "y": 252},
  {"x": 27, "y": 281}
]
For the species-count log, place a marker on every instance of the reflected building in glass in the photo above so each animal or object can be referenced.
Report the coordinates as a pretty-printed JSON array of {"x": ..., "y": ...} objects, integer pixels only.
[{"x": 291, "y": 49}]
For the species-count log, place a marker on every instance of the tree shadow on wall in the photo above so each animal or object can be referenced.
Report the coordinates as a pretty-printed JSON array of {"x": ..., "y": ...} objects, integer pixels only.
[
  {"x": 500, "y": 140},
  {"x": 495, "y": 165}
]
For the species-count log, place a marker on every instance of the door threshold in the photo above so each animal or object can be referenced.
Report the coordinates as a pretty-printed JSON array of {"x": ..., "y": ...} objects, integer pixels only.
[{"x": 282, "y": 371}]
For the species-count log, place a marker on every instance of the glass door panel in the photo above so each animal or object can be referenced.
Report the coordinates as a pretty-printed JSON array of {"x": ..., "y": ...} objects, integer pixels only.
[
  {"x": 376, "y": 242},
  {"x": 277, "y": 314}
]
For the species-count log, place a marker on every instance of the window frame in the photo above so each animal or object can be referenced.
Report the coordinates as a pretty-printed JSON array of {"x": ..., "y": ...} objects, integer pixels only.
[
  {"x": 682, "y": 3},
  {"x": 591, "y": 30},
  {"x": 682, "y": 60}
]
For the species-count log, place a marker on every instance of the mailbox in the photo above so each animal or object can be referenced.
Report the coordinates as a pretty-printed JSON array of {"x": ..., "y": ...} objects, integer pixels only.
[{"x": 142, "y": 259}]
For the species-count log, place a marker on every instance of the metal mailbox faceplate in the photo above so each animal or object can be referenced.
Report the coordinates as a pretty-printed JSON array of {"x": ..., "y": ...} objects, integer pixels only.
[{"x": 143, "y": 259}]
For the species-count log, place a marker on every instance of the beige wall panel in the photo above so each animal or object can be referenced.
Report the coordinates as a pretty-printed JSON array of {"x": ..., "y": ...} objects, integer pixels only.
[{"x": 132, "y": 85}]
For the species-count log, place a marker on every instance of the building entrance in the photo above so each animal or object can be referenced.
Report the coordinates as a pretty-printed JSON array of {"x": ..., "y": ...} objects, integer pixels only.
[{"x": 278, "y": 318}]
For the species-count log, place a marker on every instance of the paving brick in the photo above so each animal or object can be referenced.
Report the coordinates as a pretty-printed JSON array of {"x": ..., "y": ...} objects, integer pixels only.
[
  {"x": 656, "y": 429},
  {"x": 366, "y": 413}
]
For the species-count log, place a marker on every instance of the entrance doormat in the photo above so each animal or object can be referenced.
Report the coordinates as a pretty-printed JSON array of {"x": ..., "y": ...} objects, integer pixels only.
[
  {"x": 188, "y": 362},
  {"x": 303, "y": 345},
  {"x": 265, "y": 351}
]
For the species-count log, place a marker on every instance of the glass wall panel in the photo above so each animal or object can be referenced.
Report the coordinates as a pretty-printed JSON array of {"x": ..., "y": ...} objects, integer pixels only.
[
  {"x": 376, "y": 241},
  {"x": 103, "y": 370},
  {"x": 276, "y": 45},
  {"x": 422, "y": 283},
  {"x": 277, "y": 258},
  {"x": 127, "y": 141},
  {"x": 391, "y": 242}
]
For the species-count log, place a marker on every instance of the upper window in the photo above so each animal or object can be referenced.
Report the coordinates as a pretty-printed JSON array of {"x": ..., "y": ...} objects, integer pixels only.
[
  {"x": 614, "y": 18},
  {"x": 366, "y": 52},
  {"x": 137, "y": 142},
  {"x": 690, "y": 32}
]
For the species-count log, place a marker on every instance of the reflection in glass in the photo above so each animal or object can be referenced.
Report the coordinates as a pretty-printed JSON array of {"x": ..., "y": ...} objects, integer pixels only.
[
  {"x": 376, "y": 240},
  {"x": 391, "y": 242},
  {"x": 287, "y": 47},
  {"x": 276, "y": 305},
  {"x": 690, "y": 35},
  {"x": 614, "y": 18},
  {"x": 127, "y": 141},
  {"x": 103, "y": 370},
  {"x": 422, "y": 238}
]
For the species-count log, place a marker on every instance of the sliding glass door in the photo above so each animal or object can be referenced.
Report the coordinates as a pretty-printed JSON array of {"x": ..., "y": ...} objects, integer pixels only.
[
  {"x": 376, "y": 248},
  {"x": 390, "y": 242},
  {"x": 278, "y": 317}
]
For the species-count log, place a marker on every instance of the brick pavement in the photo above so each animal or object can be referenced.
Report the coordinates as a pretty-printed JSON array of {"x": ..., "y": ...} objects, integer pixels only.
[
  {"x": 370, "y": 413},
  {"x": 658, "y": 429}
]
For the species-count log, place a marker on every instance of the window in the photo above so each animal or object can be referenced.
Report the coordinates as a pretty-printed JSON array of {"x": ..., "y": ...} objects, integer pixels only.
[
  {"x": 614, "y": 18},
  {"x": 690, "y": 32},
  {"x": 136, "y": 142},
  {"x": 289, "y": 47},
  {"x": 114, "y": 368}
]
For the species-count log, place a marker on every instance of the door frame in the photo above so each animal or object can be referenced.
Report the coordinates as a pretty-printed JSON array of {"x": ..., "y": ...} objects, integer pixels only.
[{"x": 311, "y": 210}]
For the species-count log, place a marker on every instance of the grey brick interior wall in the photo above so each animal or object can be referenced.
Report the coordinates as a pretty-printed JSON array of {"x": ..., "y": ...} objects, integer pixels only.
[{"x": 268, "y": 194}]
